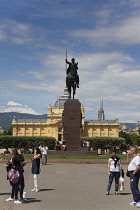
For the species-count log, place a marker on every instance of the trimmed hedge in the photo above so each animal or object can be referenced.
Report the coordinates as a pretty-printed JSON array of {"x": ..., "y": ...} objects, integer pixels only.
[
  {"x": 106, "y": 142},
  {"x": 26, "y": 142}
]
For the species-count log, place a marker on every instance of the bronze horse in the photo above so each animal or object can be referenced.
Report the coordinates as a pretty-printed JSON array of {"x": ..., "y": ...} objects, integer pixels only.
[
  {"x": 72, "y": 79},
  {"x": 71, "y": 84}
]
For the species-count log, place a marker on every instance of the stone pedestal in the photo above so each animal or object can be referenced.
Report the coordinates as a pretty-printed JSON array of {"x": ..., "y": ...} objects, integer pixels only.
[{"x": 72, "y": 124}]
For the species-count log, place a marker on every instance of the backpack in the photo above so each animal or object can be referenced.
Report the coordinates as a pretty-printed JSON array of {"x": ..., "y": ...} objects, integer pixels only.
[{"x": 13, "y": 176}]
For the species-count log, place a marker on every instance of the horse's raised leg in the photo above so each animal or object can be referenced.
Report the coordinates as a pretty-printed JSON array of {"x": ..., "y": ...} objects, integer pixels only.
[
  {"x": 69, "y": 91},
  {"x": 69, "y": 96},
  {"x": 74, "y": 89}
]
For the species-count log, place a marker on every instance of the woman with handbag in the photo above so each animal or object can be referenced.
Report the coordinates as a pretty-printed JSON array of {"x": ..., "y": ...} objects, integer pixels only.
[{"x": 15, "y": 163}]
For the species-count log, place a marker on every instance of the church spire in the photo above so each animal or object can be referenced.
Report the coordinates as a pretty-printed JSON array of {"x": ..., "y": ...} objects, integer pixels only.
[
  {"x": 101, "y": 104},
  {"x": 101, "y": 115}
]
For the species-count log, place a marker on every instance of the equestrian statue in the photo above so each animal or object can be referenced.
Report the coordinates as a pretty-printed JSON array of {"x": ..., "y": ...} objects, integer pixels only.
[{"x": 72, "y": 78}]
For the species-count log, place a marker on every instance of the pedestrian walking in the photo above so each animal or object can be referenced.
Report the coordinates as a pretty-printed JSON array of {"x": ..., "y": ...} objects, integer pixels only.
[
  {"x": 44, "y": 151},
  {"x": 58, "y": 148},
  {"x": 36, "y": 168},
  {"x": 134, "y": 174},
  {"x": 114, "y": 171}
]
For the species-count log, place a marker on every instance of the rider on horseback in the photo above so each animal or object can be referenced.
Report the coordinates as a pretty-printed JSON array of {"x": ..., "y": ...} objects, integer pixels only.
[{"x": 72, "y": 69}]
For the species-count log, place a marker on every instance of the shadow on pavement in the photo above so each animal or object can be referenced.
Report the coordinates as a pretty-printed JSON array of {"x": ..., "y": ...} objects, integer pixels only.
[
  {"x": 46, "y": 189},
  {"x": 32, "y": 200},
  {"x": 5, "y": 193},
  {"x": 125, "y": 193}
]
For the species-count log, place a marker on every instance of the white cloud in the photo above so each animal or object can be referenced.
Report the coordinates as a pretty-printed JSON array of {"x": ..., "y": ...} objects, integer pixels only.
[
  {"x": 123, "y": 32},
  {"x": 49, "y": 86},
  {"x": 2, "y": 35},
  {"x": 12, "y": 103},
  {"x": 112, "y": 76},
  {"x": 17, "y": 32},
  {"x": 16, "y": 107}
]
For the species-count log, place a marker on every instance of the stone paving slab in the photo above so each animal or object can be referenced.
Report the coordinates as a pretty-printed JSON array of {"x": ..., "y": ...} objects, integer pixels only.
[{"x": 67, "y": 187}]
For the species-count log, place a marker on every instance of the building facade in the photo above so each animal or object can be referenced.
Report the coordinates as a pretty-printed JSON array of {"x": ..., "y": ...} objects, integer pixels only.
[{"x": 52, "y": 126}]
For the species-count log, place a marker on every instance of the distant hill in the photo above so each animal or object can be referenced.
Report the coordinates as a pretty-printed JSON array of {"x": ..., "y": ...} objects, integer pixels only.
[
  {"x": 129, "y": 125},
  {"x": 7, "y": 117}
]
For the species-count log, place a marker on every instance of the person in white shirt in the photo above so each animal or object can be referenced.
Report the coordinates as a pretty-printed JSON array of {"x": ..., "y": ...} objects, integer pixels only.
[
  {"x": 114, "y": 171},
  {"x": 44, "y": 151},
  {"x": 88, "y": 145},
  {"x": 134, "y": 173}
]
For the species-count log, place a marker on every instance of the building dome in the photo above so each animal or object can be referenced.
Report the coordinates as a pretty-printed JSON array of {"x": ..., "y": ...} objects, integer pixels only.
[
  {"x": 138, "y": 126},
  {"x": 124, "y": 127},
  {"x": 61, "y": 100}
]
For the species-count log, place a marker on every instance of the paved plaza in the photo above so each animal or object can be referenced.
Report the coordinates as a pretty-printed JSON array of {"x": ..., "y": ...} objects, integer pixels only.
[{"x": 67, "y": 187}]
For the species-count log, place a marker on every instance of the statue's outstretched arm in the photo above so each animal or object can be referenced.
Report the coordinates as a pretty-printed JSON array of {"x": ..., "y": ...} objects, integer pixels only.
[{"x": 67, "y": 61}]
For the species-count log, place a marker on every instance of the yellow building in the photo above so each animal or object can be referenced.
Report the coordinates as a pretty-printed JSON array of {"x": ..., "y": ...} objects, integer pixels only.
[{"x": 52, "y": 126}]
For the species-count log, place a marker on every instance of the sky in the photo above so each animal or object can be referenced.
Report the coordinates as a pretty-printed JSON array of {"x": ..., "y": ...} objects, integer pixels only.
[{"x": 103, "y": 37}]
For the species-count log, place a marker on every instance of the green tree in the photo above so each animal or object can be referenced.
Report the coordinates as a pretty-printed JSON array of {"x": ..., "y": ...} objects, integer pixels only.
[
  {"x": 106, "y": 142},
  {"x": 26, "y": 142},
  {"x": 128, "y": 138},
  {"x": 135, "y": 138},
  {"x": 10, "y": 130}
]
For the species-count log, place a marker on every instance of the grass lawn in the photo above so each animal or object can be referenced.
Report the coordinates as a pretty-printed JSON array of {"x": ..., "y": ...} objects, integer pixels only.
[
  {"x": 27, "y": 156},
  {"x": 123, "y": 157}
]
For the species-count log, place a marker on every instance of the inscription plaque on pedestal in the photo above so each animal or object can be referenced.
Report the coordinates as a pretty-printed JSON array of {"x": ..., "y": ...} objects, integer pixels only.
[{"x": 72, "y": 124}]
